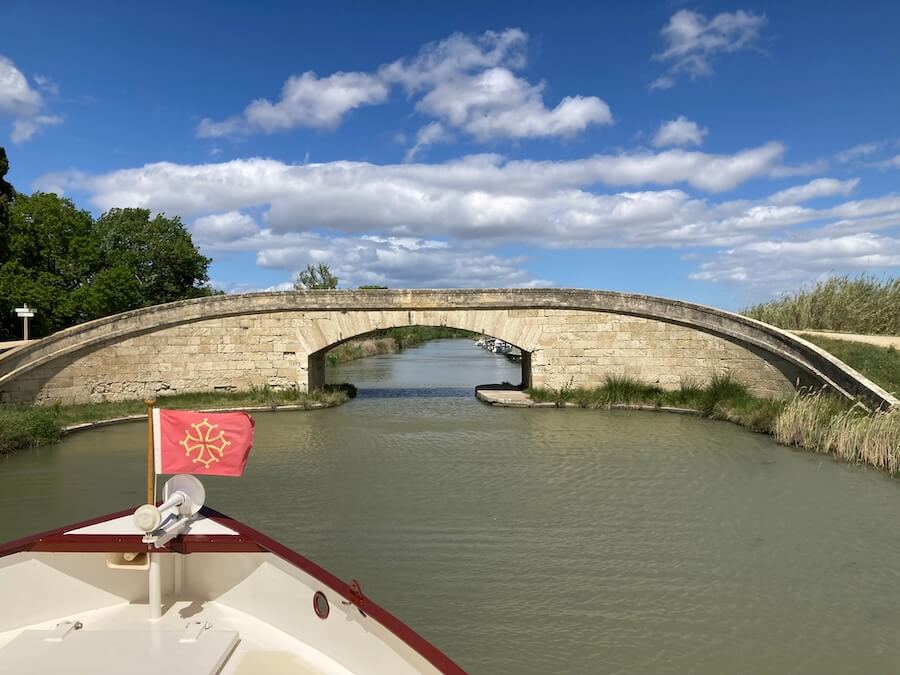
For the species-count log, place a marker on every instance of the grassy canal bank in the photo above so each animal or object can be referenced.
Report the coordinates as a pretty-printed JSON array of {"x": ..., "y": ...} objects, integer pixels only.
[
  {"x": 722, "y": 398},
  {"x": 39, "y": 425},
  {"x": 879, "y": 364},
  {"x": 867, "y": 305}
]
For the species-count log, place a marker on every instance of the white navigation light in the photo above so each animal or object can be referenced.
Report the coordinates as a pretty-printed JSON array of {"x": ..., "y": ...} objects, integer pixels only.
[{"x": 147, "y": 518}]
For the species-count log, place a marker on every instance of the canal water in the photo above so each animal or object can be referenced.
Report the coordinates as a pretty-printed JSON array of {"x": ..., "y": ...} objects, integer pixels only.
[{"x": 543, "y": 541}]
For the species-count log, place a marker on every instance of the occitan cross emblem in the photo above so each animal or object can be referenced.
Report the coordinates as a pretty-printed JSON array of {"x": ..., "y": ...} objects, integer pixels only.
[{"x": 209, "y": 448}]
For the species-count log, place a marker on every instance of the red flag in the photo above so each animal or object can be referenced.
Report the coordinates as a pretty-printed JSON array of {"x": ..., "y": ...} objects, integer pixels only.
[{"x": 215, "y": 444}]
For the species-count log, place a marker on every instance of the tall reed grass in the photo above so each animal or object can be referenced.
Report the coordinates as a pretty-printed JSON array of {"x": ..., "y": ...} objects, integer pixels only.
[
  {"x": 863, "y": 304},
  {"x": 819, "y": 422}
]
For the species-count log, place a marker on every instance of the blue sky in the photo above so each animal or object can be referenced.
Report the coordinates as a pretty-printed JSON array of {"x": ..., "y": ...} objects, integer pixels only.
[{"x": 714, "y": 152}]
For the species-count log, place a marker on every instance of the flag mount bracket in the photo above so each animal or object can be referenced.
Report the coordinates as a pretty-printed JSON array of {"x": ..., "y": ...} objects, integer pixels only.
[{"x": 184, "y": 496}]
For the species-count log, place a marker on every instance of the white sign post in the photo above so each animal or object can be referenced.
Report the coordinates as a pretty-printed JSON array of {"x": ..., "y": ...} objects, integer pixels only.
[{"x": 25, "y": 312}]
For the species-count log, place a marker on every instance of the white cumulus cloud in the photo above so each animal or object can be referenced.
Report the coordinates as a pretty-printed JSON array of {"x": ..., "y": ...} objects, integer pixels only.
[
  {"x": 16, "y": 96},
  {"x": 445, "y": 59},
  {"x": 464, "y": 82},
  {"x": 497, "y": 104},
  {"x": 662, "y": 83},
  {"x": 396, "y": 262},
  {"x": 692, "y": 41},
  {"x": 434, "y": 218},
  {"x": 24, "y": 104},
  {"x": 783, "y": 264},
  {"x": 26, "y": 127},
  {"x": 821, "y": 187},
  {"x": 860, "y": 151},
  {"x": 680, "y": 131},
  {"x": 306, "y": 101},
  {"x": 475, "y": 195},
  {"x": 431, "y": 133},
  {"x": 468, "y": 83},
  {"x": 223, "y": 227}
]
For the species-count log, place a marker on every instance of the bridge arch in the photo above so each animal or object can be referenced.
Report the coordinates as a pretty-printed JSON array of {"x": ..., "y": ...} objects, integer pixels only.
[
  {"x": 507, "y": 333},
  {"x": 575, "y": 337}
]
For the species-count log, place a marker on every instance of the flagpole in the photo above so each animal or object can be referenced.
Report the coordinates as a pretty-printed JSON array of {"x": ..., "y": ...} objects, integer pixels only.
[
  {"x": 151, "y": 469},
  {"x": 154, "y": 577}
]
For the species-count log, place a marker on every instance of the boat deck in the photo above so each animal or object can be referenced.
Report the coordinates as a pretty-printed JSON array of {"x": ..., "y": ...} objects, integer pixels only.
[{"x": 206, "y": 636}]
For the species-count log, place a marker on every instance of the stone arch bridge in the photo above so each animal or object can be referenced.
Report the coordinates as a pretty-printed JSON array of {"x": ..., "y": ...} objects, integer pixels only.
[{"x": 568, "y": 338}]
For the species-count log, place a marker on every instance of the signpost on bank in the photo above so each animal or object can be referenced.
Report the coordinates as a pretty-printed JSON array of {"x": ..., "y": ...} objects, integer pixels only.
[{"x": 25, "y": 312}]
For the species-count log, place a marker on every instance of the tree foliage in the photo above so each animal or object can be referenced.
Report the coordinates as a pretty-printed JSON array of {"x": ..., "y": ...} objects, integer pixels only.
[
  {"x": 318, "y": 277},
  {"x": 7, "y": 193},
  {"x": 6, "y": 190},
  {"x": 372, "y": 287},
  {"x": 72, "y": 268},
  {"x": 155, "y": 259},
  {"x": 51, "y": 254}
]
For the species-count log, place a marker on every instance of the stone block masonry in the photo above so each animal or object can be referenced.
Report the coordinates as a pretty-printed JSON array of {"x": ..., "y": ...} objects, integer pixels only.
[{"x": 279, "y": 340}]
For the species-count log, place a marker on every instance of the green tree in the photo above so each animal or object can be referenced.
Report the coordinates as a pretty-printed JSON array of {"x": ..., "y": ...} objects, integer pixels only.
[
  {"x": 71, "y": 268},
  {"x": 7, "y": 193},
  {"x": 372, "y": 287},
  {"x": 319, "y": 277},
  {"x": 149, "y": 261},
  {"x": 51, "y": 256},
  {"x": 6, "y": 190}
]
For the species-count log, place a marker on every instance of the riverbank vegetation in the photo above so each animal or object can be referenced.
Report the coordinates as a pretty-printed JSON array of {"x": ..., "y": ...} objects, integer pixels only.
[
  {"x": 815, "y": 421},
  {"x": 391, "y": 340},
  {"x": 24, "y": 427},
  {"x": 722, "y": 398},
  {"x": 863, "y": 304},
  {"x": 27, "y": 428},
  {"x": 821, "y": 423}
]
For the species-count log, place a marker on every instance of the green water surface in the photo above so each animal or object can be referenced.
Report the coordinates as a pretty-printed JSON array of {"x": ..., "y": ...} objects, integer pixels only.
[{"x": 542, "y": 541}]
